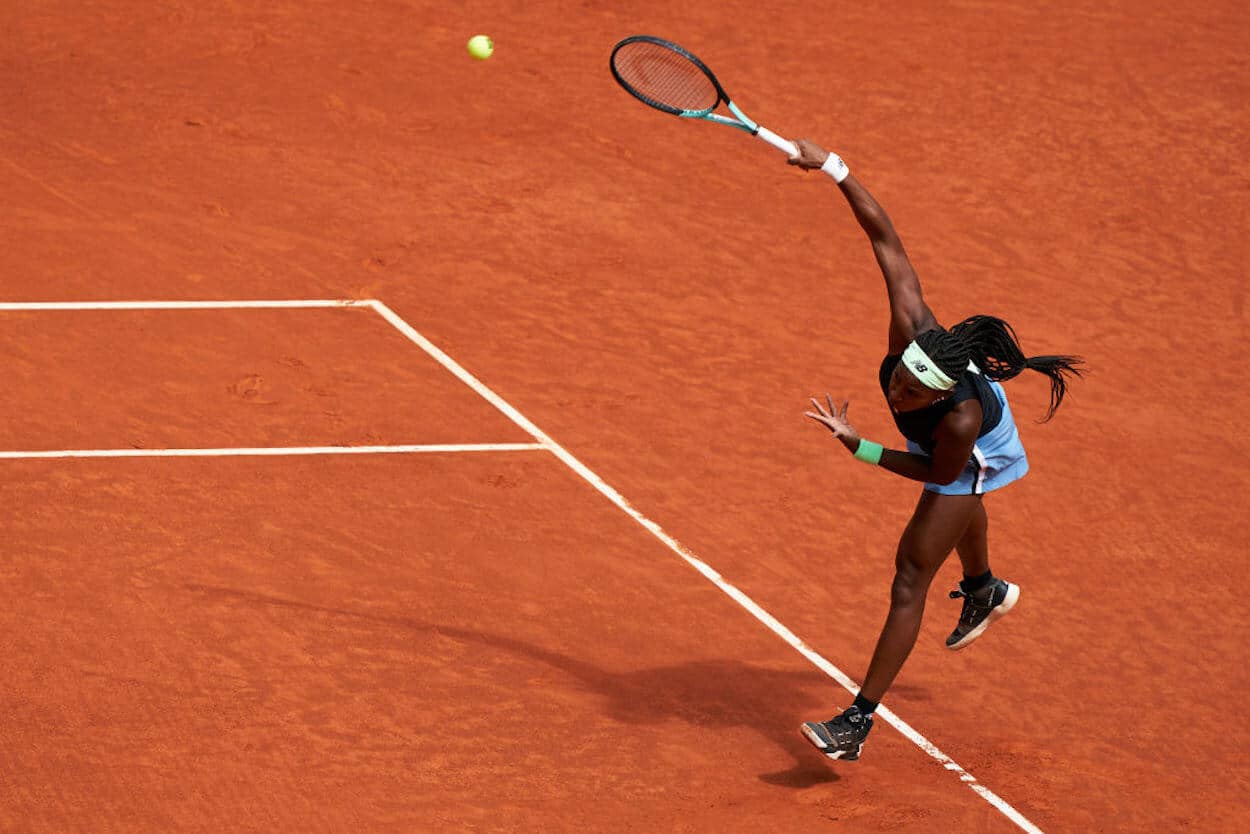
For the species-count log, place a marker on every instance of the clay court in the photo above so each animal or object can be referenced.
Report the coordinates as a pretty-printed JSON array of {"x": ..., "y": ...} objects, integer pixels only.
[{"x": 395, "y": 441}]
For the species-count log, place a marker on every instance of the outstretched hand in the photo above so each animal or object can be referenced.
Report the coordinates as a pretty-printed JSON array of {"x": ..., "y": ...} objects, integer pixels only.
[
  {"x": 835, "y": 421},
  {"x": 811, "y": 156}
]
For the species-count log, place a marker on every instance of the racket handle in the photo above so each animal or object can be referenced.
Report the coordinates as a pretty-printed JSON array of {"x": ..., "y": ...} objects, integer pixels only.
[{"x": 777, "y": 142}]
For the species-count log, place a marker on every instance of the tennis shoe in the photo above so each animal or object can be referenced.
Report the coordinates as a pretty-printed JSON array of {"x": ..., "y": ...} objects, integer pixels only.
[
  {"x": 981, "y": 608},
  {"x": 841, "y": 737}
]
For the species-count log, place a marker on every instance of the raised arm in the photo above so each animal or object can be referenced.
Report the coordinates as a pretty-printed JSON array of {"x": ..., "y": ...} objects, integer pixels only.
[{"x": 909, "y": 314}]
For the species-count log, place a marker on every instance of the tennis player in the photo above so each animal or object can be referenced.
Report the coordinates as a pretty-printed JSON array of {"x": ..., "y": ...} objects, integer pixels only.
[{"x": 943, "y": 389}]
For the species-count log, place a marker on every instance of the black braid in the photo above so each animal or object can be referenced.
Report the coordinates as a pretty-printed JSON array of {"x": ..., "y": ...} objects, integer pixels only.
[
  {"x": 950, "y": 354},
  {"x": 992, "y": 344}
]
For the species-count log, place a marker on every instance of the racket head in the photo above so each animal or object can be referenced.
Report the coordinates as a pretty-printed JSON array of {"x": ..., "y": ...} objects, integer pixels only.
[{"x": 665, "y": 76}]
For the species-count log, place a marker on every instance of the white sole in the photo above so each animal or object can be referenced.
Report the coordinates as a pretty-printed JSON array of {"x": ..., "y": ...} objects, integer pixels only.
[{"x": 1003, "y": 609}]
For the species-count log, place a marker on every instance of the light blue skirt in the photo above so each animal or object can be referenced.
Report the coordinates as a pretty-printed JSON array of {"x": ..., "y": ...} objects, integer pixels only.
[{"x": 997, "y": 458}]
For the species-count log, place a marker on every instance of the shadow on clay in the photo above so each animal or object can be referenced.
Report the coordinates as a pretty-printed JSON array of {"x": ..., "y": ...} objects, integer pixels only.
[{"x": 707, "y": 693}]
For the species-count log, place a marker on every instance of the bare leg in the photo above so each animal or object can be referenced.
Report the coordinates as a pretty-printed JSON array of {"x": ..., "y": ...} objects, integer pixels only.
[
  {"x": 938, "y": 523},
  {"x": 973, "y": 548}
]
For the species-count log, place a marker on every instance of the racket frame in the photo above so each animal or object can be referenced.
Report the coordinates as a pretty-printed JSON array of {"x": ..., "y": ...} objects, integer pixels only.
[{"x": 742, "y": 120}]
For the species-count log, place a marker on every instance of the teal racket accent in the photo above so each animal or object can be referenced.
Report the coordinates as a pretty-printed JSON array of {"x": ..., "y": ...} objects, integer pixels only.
[{"x": 742, "y": 122}]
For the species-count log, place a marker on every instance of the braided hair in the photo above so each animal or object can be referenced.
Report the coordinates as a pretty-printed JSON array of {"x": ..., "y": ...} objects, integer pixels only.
[{"x": 992, "y": 344}]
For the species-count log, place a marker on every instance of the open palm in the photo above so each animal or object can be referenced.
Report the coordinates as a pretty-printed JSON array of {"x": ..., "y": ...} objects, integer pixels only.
[{"x": 833, "y": 419}]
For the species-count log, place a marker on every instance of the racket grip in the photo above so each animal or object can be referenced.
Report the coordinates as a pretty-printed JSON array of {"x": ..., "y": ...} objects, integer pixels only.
[{"x": 777, "y": 142}]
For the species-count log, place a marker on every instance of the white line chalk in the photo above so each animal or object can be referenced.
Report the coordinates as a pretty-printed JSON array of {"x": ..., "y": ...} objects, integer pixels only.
[
  {"x": 274, "y": 451},
  {"x": 51, "y": 306}
]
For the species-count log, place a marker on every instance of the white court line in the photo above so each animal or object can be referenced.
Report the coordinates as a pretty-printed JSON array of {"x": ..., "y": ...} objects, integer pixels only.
[
  {"x": 742, "y": 599},
  {"x": 46, "y": 306},
  {"x": 274, "y": 451}
]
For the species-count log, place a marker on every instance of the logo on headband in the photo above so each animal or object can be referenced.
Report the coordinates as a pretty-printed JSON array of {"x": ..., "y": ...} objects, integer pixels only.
[{"x": 921, "y": 367}]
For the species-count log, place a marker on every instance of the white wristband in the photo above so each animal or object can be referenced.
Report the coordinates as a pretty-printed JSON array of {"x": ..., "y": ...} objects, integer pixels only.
[{"x": 835, "y": 167}]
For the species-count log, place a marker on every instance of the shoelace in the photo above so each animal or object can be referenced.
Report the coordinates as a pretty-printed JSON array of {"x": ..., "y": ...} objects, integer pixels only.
[
  {"x": 971, "y": 605},
  {"x": 972, "y": 600}
]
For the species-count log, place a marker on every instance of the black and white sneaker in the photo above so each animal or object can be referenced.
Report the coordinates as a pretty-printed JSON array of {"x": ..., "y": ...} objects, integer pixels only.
[
  {"x": 842, "y": 736},
  {"x": 981, "y": 608}
]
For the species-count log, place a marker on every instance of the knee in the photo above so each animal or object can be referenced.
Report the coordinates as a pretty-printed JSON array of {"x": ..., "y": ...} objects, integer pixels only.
[{"x": 910, "y": 585}]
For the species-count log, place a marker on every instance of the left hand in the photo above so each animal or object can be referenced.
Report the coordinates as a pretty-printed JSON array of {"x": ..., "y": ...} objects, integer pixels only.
[{"x": 835, "y": 421}]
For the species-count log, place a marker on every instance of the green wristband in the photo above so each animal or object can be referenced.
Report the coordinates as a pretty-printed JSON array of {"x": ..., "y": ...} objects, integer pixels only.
[{"x": 869, "y": 452}]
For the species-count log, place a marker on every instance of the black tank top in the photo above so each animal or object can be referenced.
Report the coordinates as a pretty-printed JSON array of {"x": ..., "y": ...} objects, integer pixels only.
[{"x": 918, "y": 425}]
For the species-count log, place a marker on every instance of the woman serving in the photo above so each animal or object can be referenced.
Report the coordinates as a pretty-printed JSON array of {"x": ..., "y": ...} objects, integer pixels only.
[{"x": 943, "y": 389}]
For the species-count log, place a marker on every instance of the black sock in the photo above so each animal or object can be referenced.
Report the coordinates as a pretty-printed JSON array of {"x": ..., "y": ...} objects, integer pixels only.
[
  {"x": 973, "y": 584},
  {"x": 866, "y": 707}
]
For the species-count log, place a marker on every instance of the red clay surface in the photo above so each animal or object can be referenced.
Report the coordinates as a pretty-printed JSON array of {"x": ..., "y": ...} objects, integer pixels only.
[
  {"x": 467, "y": 643},
  {"x": 109, "y": 379}
]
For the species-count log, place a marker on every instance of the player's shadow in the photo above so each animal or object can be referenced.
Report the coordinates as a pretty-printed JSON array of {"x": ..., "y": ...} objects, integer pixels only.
[{"x": 716, "y": 694}]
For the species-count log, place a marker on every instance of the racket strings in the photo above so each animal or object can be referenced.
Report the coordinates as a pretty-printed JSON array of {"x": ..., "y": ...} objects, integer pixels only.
[{"x": 665, "y": 77}]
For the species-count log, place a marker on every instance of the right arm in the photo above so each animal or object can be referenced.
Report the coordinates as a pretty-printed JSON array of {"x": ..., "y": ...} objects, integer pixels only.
[{"x": 909, "y": 314}]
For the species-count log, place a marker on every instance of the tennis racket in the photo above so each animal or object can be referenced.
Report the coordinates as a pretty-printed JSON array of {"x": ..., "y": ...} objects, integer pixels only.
[{"x": 665, "y": 76}]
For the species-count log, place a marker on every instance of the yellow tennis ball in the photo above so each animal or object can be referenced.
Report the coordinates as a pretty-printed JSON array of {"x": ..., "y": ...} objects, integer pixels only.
[{"x": 481, "y": 47}]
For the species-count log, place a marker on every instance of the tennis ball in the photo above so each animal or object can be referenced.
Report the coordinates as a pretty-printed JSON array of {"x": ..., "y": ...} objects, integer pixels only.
[{"x": 481, "y": 47}]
